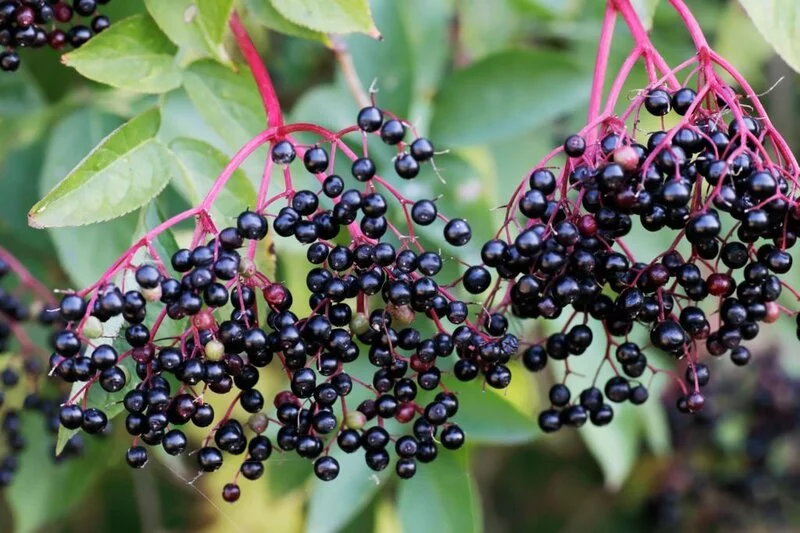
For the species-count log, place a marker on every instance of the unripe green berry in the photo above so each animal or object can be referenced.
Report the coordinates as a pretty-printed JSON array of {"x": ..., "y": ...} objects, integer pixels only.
[
  {"x": 215, "y": 351},
  {"x": 92, "y": 328},
  {"x": 355, "y": 420}
]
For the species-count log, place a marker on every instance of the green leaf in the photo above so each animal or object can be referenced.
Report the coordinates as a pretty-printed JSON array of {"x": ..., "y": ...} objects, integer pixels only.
[
  {"x": 615, "y": 447},
  {"x": 20, "y": 95},
  {"x": 132, "y": 54},
  {"x": 71, "y": 139},
  {"x": 486, "y": 417},
  {"x": 44, "y": 490},
  {"x": 330, "y": 16},
  {"x": 645, "y": 9},
  {"x": 333, "y": 503},
  {"x": 266, "y": 15},
  {"x": 124, "y": 172},
  {"x": 202, "y": 164},
  {"x": 506, "y": 94},
  {"x": 390, "y": 66},
  {"x": 745, "y": 49},
  {"x": 228, "y": 101},
  {"x": 196, "y": 26},
  {"x": 779, "y": 22},
  {"x": 441, "y": 497}
]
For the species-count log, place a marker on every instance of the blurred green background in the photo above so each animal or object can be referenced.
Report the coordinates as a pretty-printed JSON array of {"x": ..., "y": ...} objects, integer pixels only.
[{"x": 498, "y": 83}]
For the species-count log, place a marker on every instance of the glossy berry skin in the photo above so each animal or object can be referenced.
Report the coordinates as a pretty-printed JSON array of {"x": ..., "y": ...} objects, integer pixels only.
[
  {"x": 369, "y": 119},
  {"x": 422, "y": 150},
  {"x": 136, "y": 457},
  {"x": 574, "y": 146},
  {"x": 657, "y": 102},
  {"x": 457, "y": 232},
  {"x": 326, "y": 468},
  {"x": 316, "y": 160},
  {"x": 682, "y": 99},
  {"x": 252, "y": 225},
  {"x": 283, "y": 153},
  {"x": 392, "y": 132}
]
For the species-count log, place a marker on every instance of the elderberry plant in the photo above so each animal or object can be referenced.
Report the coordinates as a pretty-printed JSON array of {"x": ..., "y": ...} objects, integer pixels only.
[{"x": 329, "y": 289}]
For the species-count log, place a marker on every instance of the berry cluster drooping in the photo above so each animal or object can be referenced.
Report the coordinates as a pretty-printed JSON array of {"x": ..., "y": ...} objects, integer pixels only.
[
  {"x": 717, "y": 176},
  {"x": 369, "y": 357},
  {"x": 210, "y": 319},
  {"x": 39, "y": 23},
  {"x": 24, "y": 393}
]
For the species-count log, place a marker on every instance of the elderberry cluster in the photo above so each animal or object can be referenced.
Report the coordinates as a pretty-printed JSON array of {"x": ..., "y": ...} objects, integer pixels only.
[
  {"x": 23, "y": 394},
  {"x": 211, "y": 321},
  {"x": 731, "y": 205},
  {"x": 38, "y": 23}
]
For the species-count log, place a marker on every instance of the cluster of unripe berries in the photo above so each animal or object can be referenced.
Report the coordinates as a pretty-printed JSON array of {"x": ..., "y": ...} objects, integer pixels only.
[
  {"x": 23, "y": 391},
  {"x": 39, "y": 23}
]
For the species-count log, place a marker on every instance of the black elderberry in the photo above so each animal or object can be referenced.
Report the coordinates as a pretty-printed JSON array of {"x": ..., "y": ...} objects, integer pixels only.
[
  {"x": 574, "y": 146},
  {"x": 369, "y": 119},
  {"x": 657, "y": 102},
  {"x": 363, "y": 169},
  {"x": 406, "y": 166},
  {"x": 392, "y": 132}
]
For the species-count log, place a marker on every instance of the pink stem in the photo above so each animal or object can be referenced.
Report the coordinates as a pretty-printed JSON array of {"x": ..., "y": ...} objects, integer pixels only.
[
  {"x": 601, "y": 66},
  {"x": 25, "y": 277},
  {"x": 260, "y": 74},
  {"x": 691, "y": 24}
]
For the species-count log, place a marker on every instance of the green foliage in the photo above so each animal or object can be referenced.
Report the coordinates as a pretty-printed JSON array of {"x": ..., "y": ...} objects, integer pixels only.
[
  {"x": 779, "y": 23},
  {"x": 506, "y": 94},
  {"x": 122, "y": 173},
  {"x": 442, "y": 497},
  {"x": 332, "y": 16},
  {"x": 133, "y": 55}
]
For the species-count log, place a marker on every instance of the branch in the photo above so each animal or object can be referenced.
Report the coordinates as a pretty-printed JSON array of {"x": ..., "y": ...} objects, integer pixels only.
[{"x": 264, "y": 82}]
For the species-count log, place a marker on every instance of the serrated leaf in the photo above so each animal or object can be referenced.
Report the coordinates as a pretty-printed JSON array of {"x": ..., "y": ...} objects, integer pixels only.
[
  {"x": 779, "y": 22},
  {"x": 70, "y": 140},
  {"x": 330, "y": 16},
  {"x": 196, "y": 26},
  {"x": 646, "y": 9},
  {"x": 228, "y": 101},
  {"x": 266, "y": 15},
  {"x": 124, "y": 172},
  {"x": 333, "y": 503},
  {"x": 202, "y": 165},
  {"x": 486, "y": 417},
  {"x": 441, "y": 497},
  {"x": 132, "y": 54},
  {"x": 506, "y": 94}
]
